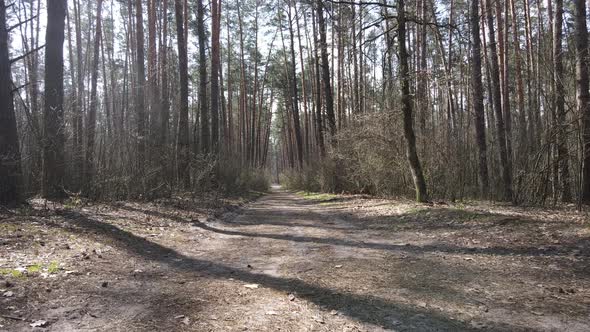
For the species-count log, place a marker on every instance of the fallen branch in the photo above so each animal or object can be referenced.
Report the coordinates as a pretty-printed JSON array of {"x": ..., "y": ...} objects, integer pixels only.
[{"x": 13, "y": 318}]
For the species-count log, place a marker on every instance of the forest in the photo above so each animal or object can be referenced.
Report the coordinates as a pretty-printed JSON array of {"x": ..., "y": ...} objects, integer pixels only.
[
  {"x": 164, "y": 158},
  {"x": 451, "y": 100}
]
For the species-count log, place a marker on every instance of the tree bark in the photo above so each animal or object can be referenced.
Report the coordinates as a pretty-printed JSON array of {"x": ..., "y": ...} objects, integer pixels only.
[
  {"x": 409, "y": 135},
  {"x": 140, "y": 93},
  {"x": 215, "y": 66},
  {"x": 519, "y": 82},
  {"x": 183, "y": 144},
  {"x": 9, "y": 148},
  {"x": 54, "y": 136},
  {"x": 294, "y": 96},
  {"x": 205, "y": 130},
  {"x": 478, "y": 108},
  {"x": 497, "y": 104},
  {"x": 91, "y": 120},
  {"x": 326, "y": 72},
  {"x": 165, "y": 110},
  {"x": 559, "y": 90},
  {"x": 154, "y": 92},
  {"x": 319, "y": 123},
  {"x": 582, "y": 93}
]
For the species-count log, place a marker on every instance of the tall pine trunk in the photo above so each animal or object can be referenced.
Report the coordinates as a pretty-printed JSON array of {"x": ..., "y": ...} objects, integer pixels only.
[
  {"x": 91, "y": 120},
  {"x": 53, "y": 111},
  {"x": 140, "y": 93},
  {"x": 183, "y": 132},
  {"x": 559, "y": 90},
  {"x": 205, "y": 130},
  {"x": 294, "y": 89},
  {"x": 497, "y": 105},
  {"x": 9, "y": 148},
  {"x": 478, "y": 108},
  {"x": 326, "y": 72},
  {"x": 582, "y": 93},
  {"x": 215, "y": 66}
]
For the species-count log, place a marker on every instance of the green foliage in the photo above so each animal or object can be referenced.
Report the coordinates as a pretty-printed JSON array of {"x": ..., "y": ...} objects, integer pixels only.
[
  {"x": 53, "y": 267},
  {"x": 321, "y": 197},
  {"x": 35, "y": 268},
  {"x": 32, "y": 269},
  {"x": 11, "y": 272}
]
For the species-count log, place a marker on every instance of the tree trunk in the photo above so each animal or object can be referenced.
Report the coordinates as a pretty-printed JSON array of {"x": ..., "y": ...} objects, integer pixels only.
[
  {"x": 497, "y": 104},
  {"x": 91, "y": 120},
  {"x": 154, "y": 92},
  {"x": 205, "y": 131},
  {"x": 53, "y": 112},
  {"x": 326, "y": 72},
  {"x": 9, "y": 148},
  {"x": 318, "y": 95},
  {"x": 410, "y": 137},
  {"x": 303, "y": 91},
  {"x": 140, "y": 94},
  {"x": 165, "y": 110},
  {"x": 183, "y": 145},
  {"x": 478, "y": 109},
  {"x": 79, "y": 105},
  {"x": 504, "y": 77},
  {"x": 519, "y": 82},
  {"x": 215, "y": 66},
  {"x": 559, "y": 90},
  {"x": 582, "y": 93},
  {"x": 294, "y": 96}
]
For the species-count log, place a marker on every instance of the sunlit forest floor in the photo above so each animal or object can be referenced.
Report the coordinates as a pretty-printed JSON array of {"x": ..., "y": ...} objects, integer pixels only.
[{"x": 294, "y": 262}]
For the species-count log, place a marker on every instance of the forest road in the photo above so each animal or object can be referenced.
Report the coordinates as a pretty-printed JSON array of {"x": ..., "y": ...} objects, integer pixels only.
[
  {"x": 320, "y": 268},
  {"x": 287, "y": 262}
]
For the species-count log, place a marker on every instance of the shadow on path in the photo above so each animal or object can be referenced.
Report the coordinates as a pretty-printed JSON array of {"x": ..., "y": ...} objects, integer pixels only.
[
  {"x": 263, "y": 215},
  {"x": 445, "y": 248},
  {"x": 364, "y": 308}
]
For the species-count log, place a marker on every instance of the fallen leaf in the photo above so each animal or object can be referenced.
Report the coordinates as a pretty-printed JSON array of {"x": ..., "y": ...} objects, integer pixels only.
[
  {"x": 319, "y": 320},
  {"x": 39, "y": 323}
]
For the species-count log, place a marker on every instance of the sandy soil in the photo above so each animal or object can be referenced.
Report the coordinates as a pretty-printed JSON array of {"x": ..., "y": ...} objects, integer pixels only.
[{"x": 292, "y": 263}]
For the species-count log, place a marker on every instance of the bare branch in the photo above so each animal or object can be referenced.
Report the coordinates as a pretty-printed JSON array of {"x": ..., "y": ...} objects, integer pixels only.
[{"x": 26, "y": 54}]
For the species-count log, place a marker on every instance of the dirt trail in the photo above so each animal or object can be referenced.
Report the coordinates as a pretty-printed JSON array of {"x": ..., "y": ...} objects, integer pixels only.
[{"x": 286, "y": 263}]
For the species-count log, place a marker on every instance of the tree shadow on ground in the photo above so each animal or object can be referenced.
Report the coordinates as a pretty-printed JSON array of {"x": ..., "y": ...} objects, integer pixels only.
[
  {"x": 292, "y": 219},
  {"x": 364, "y": 308},
  {"x": 442, "y": 247},
  {"x": 436, "y": 219}
]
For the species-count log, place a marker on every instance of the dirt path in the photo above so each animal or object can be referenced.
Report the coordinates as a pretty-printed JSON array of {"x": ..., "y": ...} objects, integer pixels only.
[{"x": 286, "y": 263}]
